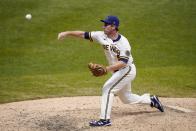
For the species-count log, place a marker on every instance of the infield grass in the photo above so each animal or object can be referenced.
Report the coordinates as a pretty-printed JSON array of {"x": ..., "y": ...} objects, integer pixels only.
[{"x": 33, "y": 64}]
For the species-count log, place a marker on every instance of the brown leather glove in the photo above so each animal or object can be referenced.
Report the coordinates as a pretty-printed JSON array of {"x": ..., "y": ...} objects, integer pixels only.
[{"x": 97, "y": 69}]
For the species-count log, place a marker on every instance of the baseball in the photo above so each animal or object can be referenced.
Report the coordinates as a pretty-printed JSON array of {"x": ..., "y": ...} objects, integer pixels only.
[{"x": 28, "y": 16}]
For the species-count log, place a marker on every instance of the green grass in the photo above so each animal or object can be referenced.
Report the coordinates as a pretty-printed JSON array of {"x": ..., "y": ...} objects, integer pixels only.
[
  {"x": 42, "y": 86},
  {"x": 33, "y": 64}
]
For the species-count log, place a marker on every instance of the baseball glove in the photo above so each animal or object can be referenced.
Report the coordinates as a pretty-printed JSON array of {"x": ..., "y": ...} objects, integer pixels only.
[{"x": 97, "y": 69}]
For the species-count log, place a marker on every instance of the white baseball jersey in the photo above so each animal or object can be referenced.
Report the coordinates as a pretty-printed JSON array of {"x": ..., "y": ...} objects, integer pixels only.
[
  {"x": 120, "y": 82},
  {"x": 115, "y": 50}
]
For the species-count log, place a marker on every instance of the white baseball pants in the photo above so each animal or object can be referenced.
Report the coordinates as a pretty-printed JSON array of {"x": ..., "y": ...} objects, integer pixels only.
[{"x": 120, "y": 84}]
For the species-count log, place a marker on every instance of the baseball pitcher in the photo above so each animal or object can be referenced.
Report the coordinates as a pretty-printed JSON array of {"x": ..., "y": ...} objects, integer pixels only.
[{"x": 120, "y": 63}]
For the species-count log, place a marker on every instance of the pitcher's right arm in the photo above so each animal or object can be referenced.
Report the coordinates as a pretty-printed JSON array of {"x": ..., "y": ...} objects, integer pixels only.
[{"x": 79, "y": 34}]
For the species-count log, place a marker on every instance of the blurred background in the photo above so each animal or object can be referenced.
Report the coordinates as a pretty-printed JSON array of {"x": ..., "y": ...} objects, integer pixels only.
[{"x": 34, "y": 64}]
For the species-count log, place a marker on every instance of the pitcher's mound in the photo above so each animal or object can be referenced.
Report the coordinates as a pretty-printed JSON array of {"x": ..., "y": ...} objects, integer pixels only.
[{"x": 74, "y": 114}]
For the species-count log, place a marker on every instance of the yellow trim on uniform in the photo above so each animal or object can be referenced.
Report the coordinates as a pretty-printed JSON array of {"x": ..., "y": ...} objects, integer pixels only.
[
  {"x": 90, "y": 37},
  {"x": 124, "y": 57}
]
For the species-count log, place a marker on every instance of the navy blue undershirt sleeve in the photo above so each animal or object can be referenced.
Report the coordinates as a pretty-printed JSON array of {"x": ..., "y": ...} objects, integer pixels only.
[
  {"x": 124, "y": 60},
  {"x": 86, "y": 35}
]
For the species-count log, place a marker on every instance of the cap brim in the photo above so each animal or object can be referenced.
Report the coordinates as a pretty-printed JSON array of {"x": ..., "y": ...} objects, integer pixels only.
[{"x": 104, "y": 21}]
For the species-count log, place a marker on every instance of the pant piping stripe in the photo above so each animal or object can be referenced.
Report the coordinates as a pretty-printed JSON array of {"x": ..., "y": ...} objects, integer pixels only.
[{"x": 108, "y": 97}]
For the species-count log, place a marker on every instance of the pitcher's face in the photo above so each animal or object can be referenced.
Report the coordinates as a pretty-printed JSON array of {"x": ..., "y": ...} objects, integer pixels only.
[{"x": 108, "y": 28}]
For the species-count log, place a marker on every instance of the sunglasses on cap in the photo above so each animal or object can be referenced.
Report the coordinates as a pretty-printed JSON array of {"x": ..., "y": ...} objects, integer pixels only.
[{"x": 106, "y": 24}]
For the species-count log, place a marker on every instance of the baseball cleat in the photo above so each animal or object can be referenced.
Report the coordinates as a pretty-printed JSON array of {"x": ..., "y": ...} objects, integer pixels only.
[
  {"x": 101, "y": 122},
  {"x": 156, "y": 103}
]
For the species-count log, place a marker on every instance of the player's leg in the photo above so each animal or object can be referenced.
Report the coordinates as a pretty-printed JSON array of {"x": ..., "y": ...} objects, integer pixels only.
[
  {"x": 108, "y": 94},
  {"x": 127, "y": 97},
  {"x": 109, "y": 89},
  {"x": 124, "y": 87},
  {"x": 112, "y": 86}
]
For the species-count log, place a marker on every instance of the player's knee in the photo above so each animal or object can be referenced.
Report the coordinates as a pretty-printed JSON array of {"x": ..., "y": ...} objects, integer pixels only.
[
  {"x": 115, "y": 91},
  {"x": 124, "y": 100}
]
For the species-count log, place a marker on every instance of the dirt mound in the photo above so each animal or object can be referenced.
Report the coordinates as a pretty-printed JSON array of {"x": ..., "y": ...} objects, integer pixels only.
[{"x": 74, "y": 113}]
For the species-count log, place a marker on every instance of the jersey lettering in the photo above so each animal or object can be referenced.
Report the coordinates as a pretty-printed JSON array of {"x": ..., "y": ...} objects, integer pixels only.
[
  {"x": 106, "y": 47},
  {"x": 112, "y": 48}
]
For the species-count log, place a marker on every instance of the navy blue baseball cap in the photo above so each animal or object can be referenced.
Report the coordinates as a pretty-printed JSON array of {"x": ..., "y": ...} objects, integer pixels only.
[{"x": 112, "y": 20}]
